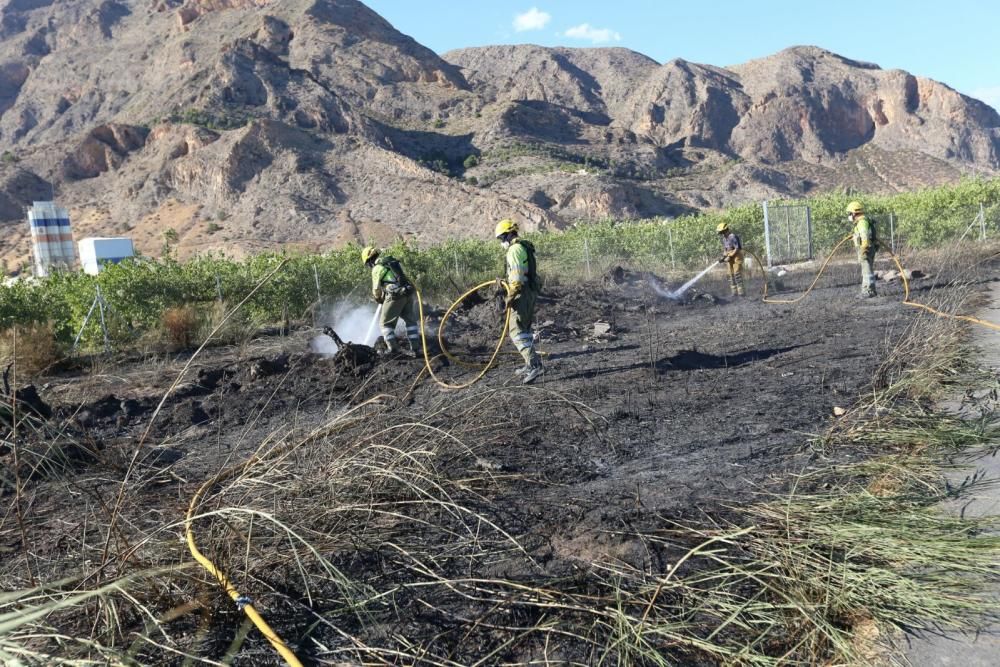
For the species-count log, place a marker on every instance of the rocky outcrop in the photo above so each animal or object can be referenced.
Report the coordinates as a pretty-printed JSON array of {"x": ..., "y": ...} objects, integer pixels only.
[
  {"x": 104, "y": 148},
  {"x": 12, "y": 77},
  {"x": 191, "y": 10},
  {"x": 593, "y": 81},
  {"x": 802, "y": 103},
  {"x": 176, "y": 141},
  {"x": 812, "y": 104},
  {"x": 18, "y": 189},
  {"x": 684, "y": 103}
]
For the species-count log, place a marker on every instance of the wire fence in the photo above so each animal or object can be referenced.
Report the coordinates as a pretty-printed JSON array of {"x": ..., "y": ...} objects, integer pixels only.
[
  {"x": 793, "y": 233},
  {"x": 135, "y": 295}
]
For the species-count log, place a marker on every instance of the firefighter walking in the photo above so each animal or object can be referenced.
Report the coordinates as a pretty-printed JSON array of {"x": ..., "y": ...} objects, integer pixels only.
[
  {"x": 732, "y": 249},
  {"x": 394, "y": 292},
  {"x": 522, "y": 291},
  {"x": 866, "y": 243}
]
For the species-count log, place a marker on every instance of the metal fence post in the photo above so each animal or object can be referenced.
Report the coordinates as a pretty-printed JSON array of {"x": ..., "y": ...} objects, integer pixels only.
[
  {"x": 104, "y": 325},
  {"x": 767, "y": 235},
  {"x": 319, "y": 292},
  {"x": 86, "y": 320},
  {"x": 670, "y": 236},
  {"x": 788, "y": 236},
  {"x": 892, "y": 231},
  {"x": 586, "y": 254},
  {"x": 809, "y": 232},
  {"x": 982, "y": 222}
]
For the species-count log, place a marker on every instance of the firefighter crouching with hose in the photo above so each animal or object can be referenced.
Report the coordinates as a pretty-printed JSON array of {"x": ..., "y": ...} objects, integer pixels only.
[
  {"x": 396, "y": 294},
  {"x": 522, "y": 291}
]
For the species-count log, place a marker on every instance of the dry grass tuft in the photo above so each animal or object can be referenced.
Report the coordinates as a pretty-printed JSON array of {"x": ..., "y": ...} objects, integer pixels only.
[
  {"x": 32, "y": 348},
  {"x": 180, "y": 325}
]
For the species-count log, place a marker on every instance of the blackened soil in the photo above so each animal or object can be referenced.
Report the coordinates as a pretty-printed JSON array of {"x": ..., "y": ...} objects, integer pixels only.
[{"x": 650, "y": 410}]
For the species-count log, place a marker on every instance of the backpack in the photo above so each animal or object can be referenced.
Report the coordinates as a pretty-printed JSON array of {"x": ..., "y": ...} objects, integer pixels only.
[
  {"x": 873, "y": 230},
  {"x": 533, "y": 282},
  {"x": 400, "y": 284}
]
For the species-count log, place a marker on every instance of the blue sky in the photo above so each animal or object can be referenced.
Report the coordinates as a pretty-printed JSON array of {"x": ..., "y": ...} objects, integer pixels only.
[{"x": 955, "y": 41}]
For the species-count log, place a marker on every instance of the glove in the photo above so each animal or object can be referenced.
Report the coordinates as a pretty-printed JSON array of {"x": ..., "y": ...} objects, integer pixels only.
[
  {"x": 722, "y": 260},
  {"x": 379, "y": 299},
  {"x": 512, "y": 295},
  {"x": 499, "y": 289},
  {"x": 864, "y": 247}
]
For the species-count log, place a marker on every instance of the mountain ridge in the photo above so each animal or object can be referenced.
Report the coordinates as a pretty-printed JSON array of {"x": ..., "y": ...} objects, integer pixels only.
[{"x": 244, "y": 124}]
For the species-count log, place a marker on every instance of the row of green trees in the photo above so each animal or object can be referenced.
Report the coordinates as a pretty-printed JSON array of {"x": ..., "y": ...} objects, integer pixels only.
[
  {"x": 138, "y": 292},
  {"x": 922, "y": 219}
]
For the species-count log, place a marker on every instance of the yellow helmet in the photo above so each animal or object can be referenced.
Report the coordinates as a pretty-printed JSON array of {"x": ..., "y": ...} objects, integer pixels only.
[
  {"x": 369, "y": 253},
  {"x": 507, "y": 226},
  {"x": 722, "y": 227},
  {"x": 855, "y": 207}
]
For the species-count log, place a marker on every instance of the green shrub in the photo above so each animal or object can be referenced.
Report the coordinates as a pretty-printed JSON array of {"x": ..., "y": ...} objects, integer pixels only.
[{"x": 139, "y": 292}]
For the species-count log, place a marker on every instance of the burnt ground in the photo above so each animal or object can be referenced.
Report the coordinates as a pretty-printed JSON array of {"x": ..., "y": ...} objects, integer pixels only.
[{"x": 665, "y": 411}]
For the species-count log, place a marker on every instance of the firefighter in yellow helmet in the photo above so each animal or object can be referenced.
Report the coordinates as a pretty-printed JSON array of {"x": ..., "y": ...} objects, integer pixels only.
[
  {"x": 522, "y": 291},
  {"x": 866, "y": 243},
  {"x": 397, "y": 296},
  {"x": 732, "y": 256}
]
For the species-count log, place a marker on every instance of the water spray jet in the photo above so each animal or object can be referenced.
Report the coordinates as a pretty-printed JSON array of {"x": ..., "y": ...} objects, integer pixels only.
[{"x": 679, "y": 292}]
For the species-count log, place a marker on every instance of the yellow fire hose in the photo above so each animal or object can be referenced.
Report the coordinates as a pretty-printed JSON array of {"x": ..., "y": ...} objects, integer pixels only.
[
  {"x": 822, "y": 269},
  {"x": 929, "y": 309},
  {"x": 242, "y": 602},
  {"x": 902, "y": 274},
  {"x": 246, "y": 605},
  {"x": 444, "y": 349}
]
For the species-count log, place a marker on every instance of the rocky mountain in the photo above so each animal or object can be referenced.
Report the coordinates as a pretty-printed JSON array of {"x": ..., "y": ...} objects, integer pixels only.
[{"x": 247, "y": 124}]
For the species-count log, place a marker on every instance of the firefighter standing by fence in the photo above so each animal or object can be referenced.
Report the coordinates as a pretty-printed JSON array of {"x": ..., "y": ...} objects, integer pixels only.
[
  {"x": 396, "y": 294},
  {"x": 866, "y": 243},
  {"x": 522, "y": 291},
  {"x": 733, "y": 257}
]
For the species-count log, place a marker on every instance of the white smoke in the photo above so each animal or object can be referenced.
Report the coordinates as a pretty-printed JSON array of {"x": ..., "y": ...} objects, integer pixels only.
[
  {"x": 659, "y": 289},
  {"x": 323, "y": 345},
  {"x": 353, "y": 322}
]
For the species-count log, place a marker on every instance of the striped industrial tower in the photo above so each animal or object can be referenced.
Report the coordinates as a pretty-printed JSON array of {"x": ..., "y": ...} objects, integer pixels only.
[{"x": 51, "y": 238}]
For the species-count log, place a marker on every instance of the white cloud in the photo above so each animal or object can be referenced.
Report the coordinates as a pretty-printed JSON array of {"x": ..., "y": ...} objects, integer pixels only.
[
  {"x": 595, "y": 35},
  {"x": 533, "y": 19},
  {"x": 989, "y": 94}
]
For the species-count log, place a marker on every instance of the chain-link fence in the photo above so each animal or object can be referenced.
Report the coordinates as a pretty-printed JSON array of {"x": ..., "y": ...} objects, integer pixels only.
[
  {"x": 676, "y": 249},
  {"x": 787, "y": 234},
  {"x": 138, "y": 293}
]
